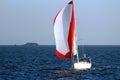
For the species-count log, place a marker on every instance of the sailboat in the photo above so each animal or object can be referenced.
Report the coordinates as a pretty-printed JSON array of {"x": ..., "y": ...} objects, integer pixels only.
[{"x": 65, "y": 37}]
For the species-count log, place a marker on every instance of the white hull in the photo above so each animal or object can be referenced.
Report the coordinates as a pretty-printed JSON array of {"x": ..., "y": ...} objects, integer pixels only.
[{"x": 82, "y": 65}]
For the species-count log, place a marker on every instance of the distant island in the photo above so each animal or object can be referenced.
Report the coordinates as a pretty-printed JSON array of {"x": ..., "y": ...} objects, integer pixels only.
[{"x": 31, "y": 44}]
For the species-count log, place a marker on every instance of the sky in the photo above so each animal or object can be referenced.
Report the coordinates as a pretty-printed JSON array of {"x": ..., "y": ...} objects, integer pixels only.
[{"x": 21, "y": 21}]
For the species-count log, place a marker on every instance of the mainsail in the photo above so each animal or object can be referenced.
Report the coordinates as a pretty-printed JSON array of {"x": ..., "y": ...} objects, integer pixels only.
[{"x": 64, "y": 31}]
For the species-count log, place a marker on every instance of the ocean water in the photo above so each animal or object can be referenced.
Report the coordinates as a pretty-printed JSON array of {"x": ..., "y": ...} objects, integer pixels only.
[{"x": 41, "y": 63}]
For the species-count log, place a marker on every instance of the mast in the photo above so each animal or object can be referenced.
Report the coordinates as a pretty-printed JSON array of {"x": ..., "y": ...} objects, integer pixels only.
[{"x": 75, "y": 45}]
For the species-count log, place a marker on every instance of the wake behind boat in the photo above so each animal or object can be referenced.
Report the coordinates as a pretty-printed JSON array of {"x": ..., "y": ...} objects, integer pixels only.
[{"x": 65, "y": 37}]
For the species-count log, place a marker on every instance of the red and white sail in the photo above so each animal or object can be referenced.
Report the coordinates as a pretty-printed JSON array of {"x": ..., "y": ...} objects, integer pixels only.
[{"x": 64, "y": 31}]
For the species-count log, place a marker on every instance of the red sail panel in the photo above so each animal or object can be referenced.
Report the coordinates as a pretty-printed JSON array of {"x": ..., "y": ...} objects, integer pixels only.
[{"x": 72, "y": 30}]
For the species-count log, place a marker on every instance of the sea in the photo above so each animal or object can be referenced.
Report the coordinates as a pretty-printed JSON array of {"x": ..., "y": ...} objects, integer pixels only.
[{"x": 41, "y": 63}]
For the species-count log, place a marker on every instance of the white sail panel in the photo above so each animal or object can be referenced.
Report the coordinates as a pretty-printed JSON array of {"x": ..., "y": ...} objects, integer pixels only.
[
  {"x": 75, "y": 47},
  {"x": 61, "y": 29}
]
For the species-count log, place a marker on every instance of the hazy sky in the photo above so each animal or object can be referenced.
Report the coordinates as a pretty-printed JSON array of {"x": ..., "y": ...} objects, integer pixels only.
[{"x": 21, "y": 21}]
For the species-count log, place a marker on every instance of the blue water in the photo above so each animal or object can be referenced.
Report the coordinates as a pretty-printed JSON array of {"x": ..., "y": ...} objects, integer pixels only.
[{"x": 41, "y": 63}]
